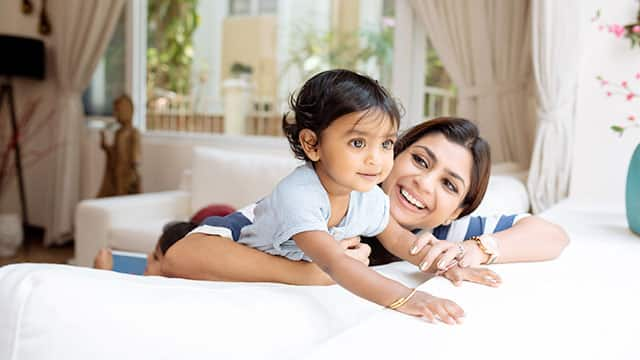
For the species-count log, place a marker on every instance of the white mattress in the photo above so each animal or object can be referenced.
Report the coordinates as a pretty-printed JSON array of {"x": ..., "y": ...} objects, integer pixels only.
[{"x": 583, "y": 305}]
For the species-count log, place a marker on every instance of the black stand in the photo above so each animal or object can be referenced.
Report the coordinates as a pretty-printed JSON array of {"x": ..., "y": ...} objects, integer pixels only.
[{"x": 7, "y": 89}]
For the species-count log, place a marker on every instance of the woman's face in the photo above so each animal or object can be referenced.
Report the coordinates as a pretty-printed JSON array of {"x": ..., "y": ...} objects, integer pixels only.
[{"x": 428, "y": 182}]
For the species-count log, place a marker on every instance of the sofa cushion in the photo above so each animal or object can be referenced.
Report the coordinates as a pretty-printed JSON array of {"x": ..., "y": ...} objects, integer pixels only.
[
  {"x": 235, "y": 178},
  {"x": 211, "y": 210},
  {"x": 506, "y": 194}
]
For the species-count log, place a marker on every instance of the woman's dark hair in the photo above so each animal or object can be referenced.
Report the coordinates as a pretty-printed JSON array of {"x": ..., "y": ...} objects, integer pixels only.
[
  {"x": 172, "y": 232},
  {"x": 464, "y": 133},
  {"x": 330, "y": 95}
]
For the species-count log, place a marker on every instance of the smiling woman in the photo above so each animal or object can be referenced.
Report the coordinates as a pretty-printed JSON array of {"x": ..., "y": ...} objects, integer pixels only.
[{"x": 435, "y": 180}]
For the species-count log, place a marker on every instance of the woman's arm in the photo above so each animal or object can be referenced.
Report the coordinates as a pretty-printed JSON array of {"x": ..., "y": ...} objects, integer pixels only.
[
  {"x": 210, "y": 257},
  {"x": 530, "y": 239}
]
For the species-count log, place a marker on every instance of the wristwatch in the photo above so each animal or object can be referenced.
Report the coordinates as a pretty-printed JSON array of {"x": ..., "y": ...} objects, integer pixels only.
[{"x": 489, "y": 245}]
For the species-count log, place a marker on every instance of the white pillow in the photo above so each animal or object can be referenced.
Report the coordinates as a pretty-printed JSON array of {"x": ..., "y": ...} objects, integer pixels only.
[
  {"x": 506, "y": 194},
  {"x": 235, "y": 178}
]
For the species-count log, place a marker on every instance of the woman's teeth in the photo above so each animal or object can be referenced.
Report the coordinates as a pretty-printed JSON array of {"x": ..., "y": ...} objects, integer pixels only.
[{"x": 411, "y": 199}]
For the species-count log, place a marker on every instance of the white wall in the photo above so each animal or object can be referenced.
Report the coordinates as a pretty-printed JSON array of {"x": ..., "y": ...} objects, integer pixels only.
[{"x": 601, "y": 158}]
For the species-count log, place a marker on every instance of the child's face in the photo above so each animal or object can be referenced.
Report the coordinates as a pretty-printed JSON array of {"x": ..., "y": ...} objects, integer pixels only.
[
  {"x": 356, "y": 152},
  {"x": 153, "y": 262}
]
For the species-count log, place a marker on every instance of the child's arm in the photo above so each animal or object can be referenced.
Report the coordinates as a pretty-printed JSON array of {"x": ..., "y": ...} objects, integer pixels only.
[{"x": 365, "y": 282}]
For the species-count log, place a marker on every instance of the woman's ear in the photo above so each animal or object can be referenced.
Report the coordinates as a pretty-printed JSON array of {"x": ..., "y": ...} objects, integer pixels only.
[
  {"x": 309, "y": 142},
  {"x": 453, "y": 216}
]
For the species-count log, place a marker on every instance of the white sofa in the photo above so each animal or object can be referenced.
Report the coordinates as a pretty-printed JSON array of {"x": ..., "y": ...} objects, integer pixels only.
[{"x": 134, "y": 223}]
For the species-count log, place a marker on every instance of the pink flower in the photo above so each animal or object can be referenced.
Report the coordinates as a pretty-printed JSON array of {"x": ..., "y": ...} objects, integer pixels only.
[
  {"x": 631, "y": 118},
  {"x": 617, "y": 30},
  {"x": 604, "y": 83},
  {"x": 608, "y": 93},
  {"x": 630, "y": 96},
  {"x": 636, "y": 29},
  {"x": 624, "y": 84},
  {"x": 638, "y": 76}
]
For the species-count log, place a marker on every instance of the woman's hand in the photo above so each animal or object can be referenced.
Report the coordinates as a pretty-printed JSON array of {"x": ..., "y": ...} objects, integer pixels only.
[
  {"x": 481, "y": 276},
  {"x": 473, "y": 255},
  {"x": 357, "y": 250},
  {"x": 445, "y": 252},
  {"x": 433, "y": 308}
]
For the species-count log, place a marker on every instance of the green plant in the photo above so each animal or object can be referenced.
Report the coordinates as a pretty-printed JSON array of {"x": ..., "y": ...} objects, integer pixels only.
[
  {"x": 315, "y": 51},
  {"x": 625, "y": 89},
  {"x": 171, "y": 25}
]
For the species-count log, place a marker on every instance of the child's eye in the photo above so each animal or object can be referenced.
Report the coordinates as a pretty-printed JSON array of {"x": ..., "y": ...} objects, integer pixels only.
[
  {"x": 388, "y": 144},
  {"x": 357, "y": 143}
]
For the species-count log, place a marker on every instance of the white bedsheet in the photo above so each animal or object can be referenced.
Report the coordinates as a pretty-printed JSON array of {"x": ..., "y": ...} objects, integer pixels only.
[{"x": 584, "y": 305}]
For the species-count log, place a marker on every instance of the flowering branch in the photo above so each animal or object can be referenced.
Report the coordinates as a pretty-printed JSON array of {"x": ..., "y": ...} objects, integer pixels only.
[
  {"x": 629, "y": 31},
  {"x": 624, "y": 89}
]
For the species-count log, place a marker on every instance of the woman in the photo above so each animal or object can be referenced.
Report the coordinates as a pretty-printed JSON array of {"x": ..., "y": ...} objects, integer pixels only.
[{"x": 440, "y": 174}]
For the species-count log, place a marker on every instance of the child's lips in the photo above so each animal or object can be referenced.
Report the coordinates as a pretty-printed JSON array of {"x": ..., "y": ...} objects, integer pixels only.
[{"x": 370, "y": 176}]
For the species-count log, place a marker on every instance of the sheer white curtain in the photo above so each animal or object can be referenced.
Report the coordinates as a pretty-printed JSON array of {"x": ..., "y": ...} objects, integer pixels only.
[
  {"x": 484, "y": 45},
  {"x": 81, "y": 32},
  {"x": 556, "y": 55}
]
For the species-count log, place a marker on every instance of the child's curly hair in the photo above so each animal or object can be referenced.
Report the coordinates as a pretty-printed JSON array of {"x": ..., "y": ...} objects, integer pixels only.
[{"x": 330, "y": 95}]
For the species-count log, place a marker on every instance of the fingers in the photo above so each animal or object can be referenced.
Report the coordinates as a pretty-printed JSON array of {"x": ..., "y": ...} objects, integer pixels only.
[
  {"x": 434, "y": 253},
  {"x": 350, "y": 242},
  {"x": 446, "y": 311},
  {"x": 421, "y": 241},
  {"x": 359, "y": 252},
  {"x": 431, "y": 308},
  {"x": 455, "y": 275},
  {"x": 482, "y": 276},
  {"x": 446, "y": 259}
]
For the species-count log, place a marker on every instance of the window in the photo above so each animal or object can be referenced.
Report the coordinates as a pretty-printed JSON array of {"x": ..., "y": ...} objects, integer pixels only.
[
  {"x": 229, "y": 66},
  {"x": 440, "y": 93},
  {"x": 109, "y": 78}
]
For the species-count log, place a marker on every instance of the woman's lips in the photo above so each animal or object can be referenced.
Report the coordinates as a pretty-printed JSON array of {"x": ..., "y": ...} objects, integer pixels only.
[{"x": 407, "y": 203}]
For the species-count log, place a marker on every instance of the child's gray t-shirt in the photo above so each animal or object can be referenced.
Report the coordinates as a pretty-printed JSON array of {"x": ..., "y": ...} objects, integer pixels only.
[{"x": 300, "y": 203}]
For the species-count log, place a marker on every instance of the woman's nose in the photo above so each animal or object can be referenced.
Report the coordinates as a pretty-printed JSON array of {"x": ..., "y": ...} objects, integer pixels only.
[{"x": 425, "y": 182}]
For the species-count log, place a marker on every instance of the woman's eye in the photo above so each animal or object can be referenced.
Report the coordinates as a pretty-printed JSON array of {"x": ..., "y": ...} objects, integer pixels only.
[
  {"x": 388, "y": 145},
  {"x": 450, "y": 186},
  {"x": 357, "y": 143},
  {"x": 420, "y": 161}
]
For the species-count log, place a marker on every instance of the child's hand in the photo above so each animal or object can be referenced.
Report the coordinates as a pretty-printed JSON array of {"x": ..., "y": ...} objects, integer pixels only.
[
  {"x": 481, "y": 276},
  {"x": 433, "y": 308},
  {"x": 357, "y": 250}
]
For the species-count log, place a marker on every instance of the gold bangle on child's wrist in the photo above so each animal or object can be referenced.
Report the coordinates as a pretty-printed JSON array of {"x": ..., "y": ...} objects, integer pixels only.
[{"x": 401, "y": 301}]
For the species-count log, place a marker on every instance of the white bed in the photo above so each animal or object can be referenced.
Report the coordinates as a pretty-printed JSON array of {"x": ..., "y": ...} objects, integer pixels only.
[{"x": 583, "y": 305}]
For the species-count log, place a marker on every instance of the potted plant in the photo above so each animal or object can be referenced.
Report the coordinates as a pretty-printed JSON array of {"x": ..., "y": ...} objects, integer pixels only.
[{"x": 241, "y": 70}]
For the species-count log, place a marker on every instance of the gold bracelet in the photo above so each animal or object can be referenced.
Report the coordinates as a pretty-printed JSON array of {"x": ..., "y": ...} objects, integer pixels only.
[{"x": 401, "y": 301}]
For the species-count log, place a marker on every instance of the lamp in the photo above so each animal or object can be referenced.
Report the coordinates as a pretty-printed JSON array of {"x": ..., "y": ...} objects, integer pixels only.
[{"x": 21, "y": 57}]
